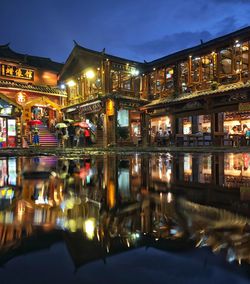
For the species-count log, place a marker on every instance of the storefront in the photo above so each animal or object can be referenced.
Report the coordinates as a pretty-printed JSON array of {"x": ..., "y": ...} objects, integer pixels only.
[
  {"x": 238, "y": 119},
  {"x": 159, "y": 126},
  {"x": 9, "y": 124}
]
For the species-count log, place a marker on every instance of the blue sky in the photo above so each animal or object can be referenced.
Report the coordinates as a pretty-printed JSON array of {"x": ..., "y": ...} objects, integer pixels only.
[{"x": 134, "y": 29}]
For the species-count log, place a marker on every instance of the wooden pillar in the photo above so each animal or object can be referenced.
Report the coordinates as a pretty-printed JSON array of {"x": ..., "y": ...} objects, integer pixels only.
[
  {"x": 189, "y": 70},
  {"x": 103, "y": 81},
  {"x": 172, "y": 123},
  {"x": 107, "y": 76},
  {"x": 217, "y": 126},
  {"x": 177, "y": 81},
  {"x": 195, "y": 169},
  {"x": 178, "y": 125},
  {"x": 145, "y": 124},
  {"x": 111, "y": 122},
  {"x": 111, "y": 180},
  {"x": 218, "y": 66},
  {"x": 248, "y": 60},
  {"x": 200, "y": 71},
  {"x": 195, "y": 123},
  {"x": 218, "y": 169}
]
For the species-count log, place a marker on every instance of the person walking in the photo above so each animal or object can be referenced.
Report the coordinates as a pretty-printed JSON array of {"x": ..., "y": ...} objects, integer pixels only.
[
  {"x": 87, "y": 135},
  {"x": 71, "y": 133},
  {"x": 36, "y": 138},
  {"x": 59, "y": 136},
  {"x": 77, "y": 136}
]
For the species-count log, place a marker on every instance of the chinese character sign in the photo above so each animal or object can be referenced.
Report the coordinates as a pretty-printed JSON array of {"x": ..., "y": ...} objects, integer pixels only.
[
  {"x": 16, "y": 72},
  {"x": 21, "y": 98}
]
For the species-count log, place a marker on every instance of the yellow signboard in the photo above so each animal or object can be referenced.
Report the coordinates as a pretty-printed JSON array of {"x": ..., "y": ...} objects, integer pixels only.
[
  {"x": 110, "y": 108},
  {"x": 27, "y": 114},
  {"x": 16, "y": 72}
]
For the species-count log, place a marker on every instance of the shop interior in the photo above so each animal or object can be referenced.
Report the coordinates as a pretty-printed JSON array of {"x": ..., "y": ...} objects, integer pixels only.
[{"x": 237, "y": 119}]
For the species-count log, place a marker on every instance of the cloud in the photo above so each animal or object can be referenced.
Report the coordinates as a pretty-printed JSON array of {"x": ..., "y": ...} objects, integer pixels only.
[
  {"x": 181, "y": 40},
  {"x": 227, "y": 25},
  {"x": 231, "y": 1},
  {"x": 172, "y": 43}
]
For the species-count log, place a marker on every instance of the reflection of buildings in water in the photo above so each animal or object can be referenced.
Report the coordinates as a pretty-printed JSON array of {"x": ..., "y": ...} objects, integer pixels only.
[
  {"x": 197, "y": 168},
  {"x": 110, "y": 202},
  {"x": 8, "y": 172},
  {"x": 219, "y": 229},
  {"x": 160, "y": 171},
  {"x": 237, "y": 170},
  {"x": 157, "y": 217}
]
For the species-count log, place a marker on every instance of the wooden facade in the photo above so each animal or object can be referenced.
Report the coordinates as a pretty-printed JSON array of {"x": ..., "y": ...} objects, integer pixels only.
[{"x": 207, "y": 80}]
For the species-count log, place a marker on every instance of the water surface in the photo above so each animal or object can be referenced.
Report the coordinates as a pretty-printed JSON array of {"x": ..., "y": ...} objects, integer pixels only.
[{"x": 125, "y": 218}]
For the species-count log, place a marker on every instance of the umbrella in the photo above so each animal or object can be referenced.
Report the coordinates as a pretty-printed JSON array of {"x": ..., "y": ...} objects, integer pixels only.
[
  {"x": 68, "y": 120},
  {"x": 61, "y": 125},
  {"x": 34, "y": 122},
  {"x": 82, "y": 124}
]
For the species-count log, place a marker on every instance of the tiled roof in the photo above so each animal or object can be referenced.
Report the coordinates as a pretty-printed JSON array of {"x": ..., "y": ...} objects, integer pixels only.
[
  {"x": 224, "y": 40},
  {"x": 36, "y": 61},
  {"x": 193, "y": 95},
  {"x": 126, "y": 97},
  {"x": 5, "y": 84}
]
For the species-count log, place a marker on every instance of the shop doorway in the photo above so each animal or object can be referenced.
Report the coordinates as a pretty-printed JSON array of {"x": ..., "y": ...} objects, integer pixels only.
[{"x": 8, "y": 132}]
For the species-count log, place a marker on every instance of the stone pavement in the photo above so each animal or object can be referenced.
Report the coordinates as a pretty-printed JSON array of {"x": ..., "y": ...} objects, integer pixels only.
[{"x": 41, "y": 151}]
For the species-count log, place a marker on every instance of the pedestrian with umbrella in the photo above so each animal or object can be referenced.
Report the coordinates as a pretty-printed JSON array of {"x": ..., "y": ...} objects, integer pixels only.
[
  {"x": 61, "y": 125},
  {"x": 61, "y": 134},
  {"x": 34, "y": 122}
]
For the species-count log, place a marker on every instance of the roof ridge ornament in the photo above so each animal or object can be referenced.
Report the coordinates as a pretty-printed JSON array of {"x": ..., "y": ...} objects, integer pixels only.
[{"x": 75, "y": 43}]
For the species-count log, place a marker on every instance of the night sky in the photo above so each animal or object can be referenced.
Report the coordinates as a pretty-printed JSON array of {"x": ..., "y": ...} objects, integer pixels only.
[{"x": 133, "y": 29}]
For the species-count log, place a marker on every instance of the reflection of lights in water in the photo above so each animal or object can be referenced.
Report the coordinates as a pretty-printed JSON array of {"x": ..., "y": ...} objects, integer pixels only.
[
  {"x": 60, "y": 222},
  {"x": 63, "y": 206},
  {"x": 38, "y": 216},
  {"x": 231, "y": 256},
  {"x": 6, "y": 193},
  {"x": 1, "y": 217},
  {"x": 69, "y": 204},
  {"x": 53, "y": 174},
  {"x": 20, "y": 211},
  {"x": 72, "y": 225},
  {"x": 160, "y": 173},
  {"x": 88, "y": 179},
  {"x": 168, "y": 175},
  {"x": 128, "y": 244},
  {"x": 89, "y": 228},
  {"x": 135, "y": 236},
  {"x": 169, "y": 197},
  {"x": 173, "y": 231},
  {"x": 41, "y": 199},
  {"x": 136, "y": 168},
  {"x": 9, "y": 217}
]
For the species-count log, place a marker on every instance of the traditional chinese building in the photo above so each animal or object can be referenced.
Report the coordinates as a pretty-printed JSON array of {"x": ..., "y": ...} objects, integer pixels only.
[
  {"x": 202, "y": 92},
  {"x": 28, "y": 90},
  {"x": 105, "y": 91}
]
